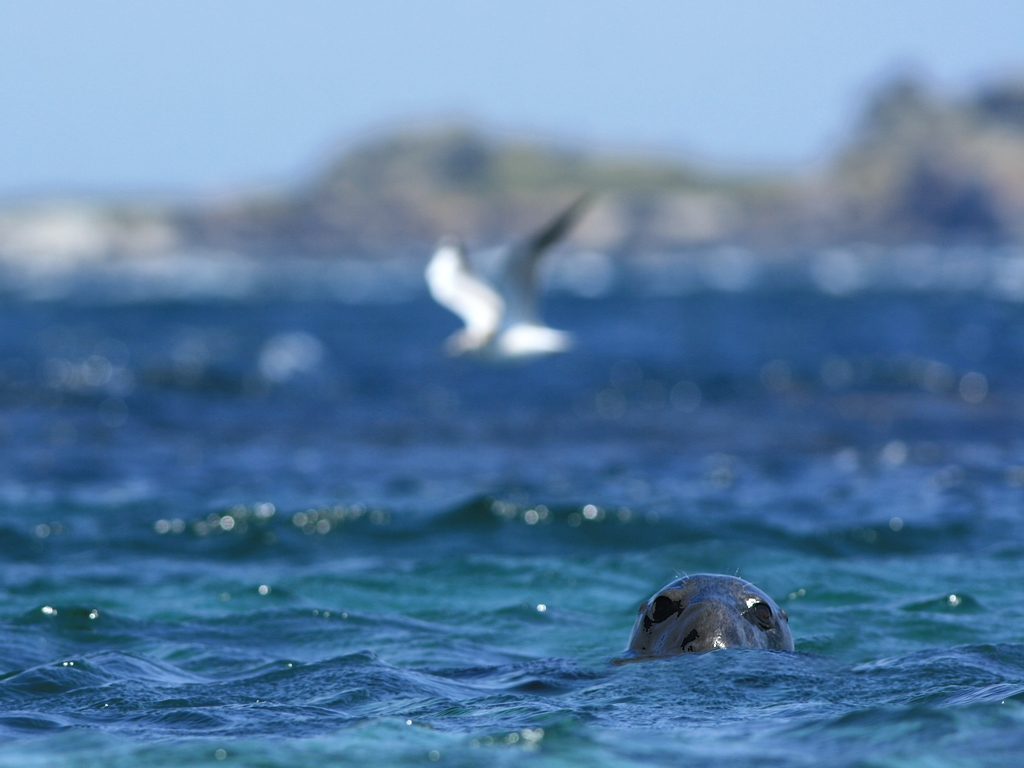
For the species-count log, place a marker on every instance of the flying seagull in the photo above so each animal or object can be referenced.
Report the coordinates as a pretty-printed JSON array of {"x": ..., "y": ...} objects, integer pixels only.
[{"x": 502, "y": 320}]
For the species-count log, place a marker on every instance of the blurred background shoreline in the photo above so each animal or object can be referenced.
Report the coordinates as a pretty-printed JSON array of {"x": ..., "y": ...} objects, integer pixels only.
[{"x": 927, "y": 192}]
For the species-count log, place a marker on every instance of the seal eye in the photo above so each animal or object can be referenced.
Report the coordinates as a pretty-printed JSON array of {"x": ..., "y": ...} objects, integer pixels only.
[
  {"x": 663, "y": 608},
  {"x": 759, "y": 614}
]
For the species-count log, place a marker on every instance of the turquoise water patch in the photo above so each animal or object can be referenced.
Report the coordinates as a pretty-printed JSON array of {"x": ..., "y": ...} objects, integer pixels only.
[{"x": 391, "y": 557}]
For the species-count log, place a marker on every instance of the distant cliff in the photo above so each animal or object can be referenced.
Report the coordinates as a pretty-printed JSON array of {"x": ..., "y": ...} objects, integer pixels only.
[
  {"x": 923, "y": 168},
  {"x": 919, "y": 167},
  {"x": 406, "y": 190}
]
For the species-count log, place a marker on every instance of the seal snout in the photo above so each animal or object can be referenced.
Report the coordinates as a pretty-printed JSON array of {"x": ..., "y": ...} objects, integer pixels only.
[{"x": 714, "y": 623}]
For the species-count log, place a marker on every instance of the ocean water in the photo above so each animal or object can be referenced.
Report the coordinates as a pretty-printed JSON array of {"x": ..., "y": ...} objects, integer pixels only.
[{"x": 289, "y": 531}]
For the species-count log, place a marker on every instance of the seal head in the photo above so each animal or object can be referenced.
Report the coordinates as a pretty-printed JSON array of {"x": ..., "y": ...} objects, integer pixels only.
[{"x": 705, "y": 612}]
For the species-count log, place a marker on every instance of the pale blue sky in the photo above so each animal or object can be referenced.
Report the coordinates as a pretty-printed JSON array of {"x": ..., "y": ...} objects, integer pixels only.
[{"x": 184, "y": 96}]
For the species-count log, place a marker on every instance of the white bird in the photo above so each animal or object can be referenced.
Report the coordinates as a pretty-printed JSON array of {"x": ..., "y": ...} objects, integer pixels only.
[{"x": 502, "y": 320}]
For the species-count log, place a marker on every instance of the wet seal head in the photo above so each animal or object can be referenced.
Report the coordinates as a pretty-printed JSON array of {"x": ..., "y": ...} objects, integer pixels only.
[{"x": 705, "y": 612}]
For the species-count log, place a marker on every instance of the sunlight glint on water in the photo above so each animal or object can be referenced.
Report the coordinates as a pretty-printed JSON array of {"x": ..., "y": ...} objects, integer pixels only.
[{"x": 293, "y": 531}]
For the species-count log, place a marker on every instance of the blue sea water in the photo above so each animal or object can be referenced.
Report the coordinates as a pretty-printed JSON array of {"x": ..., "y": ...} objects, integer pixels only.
[{"x": 289, "y": 531}]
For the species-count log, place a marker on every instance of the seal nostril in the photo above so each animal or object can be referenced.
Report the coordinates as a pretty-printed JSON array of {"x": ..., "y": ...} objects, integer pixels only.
[
  {"x": 689, "y": 639},
  {"x": 663, "y": 608}
]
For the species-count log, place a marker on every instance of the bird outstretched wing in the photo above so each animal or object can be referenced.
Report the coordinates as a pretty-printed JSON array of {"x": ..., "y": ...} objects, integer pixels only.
[{"x": 518, "y": 280}]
